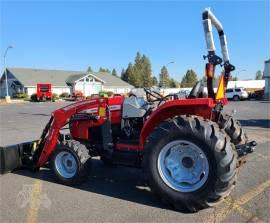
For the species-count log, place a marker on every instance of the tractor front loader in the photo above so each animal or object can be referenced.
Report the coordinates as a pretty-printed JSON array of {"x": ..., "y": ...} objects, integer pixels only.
[{"x": 188, "y": 147}]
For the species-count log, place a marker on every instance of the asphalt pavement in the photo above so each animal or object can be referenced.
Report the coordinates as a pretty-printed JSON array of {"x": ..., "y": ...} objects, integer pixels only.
[{"x": 119, "y": 194}]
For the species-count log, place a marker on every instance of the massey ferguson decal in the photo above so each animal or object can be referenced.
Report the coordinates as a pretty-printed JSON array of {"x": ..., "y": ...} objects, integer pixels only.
[{"x": 78, "y": 104}]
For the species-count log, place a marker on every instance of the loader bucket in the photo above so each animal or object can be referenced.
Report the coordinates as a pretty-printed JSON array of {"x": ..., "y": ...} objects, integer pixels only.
[{"x": 14, "y": 156}]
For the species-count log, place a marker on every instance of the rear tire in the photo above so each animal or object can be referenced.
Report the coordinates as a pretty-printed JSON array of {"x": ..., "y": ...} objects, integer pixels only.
[
  {"x": 215, "y": 147},
  {"x": 70, "y": 162},
  {"x": 233, "y": 128}
]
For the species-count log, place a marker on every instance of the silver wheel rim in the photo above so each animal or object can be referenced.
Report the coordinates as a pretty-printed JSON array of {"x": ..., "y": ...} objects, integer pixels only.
[
  {"x": 183, "y": 166},
  {"x": 65, "y": 164}
]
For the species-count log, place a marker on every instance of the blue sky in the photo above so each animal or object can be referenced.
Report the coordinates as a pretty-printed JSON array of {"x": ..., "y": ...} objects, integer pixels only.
[{"x": 73, "y": 35}]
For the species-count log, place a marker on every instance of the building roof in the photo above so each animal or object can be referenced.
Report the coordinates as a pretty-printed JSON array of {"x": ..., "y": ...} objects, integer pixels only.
[
  {"x": 110, "y": 80},
  {"x": 30, "y": 77}
]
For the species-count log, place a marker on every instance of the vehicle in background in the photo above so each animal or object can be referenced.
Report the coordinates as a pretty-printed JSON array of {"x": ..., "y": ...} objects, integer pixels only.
[
  {"x": 44, "y": 92},
  {"x": 257, "y": 94},
  {"x": 236, "y": 94},
  {"x": 77, "y": 95}
]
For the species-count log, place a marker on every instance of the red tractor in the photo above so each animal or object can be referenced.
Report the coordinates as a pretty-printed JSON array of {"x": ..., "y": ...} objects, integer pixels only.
[
  {"x": 44, "y": 92},
  {"x": 188, "y": 148}
]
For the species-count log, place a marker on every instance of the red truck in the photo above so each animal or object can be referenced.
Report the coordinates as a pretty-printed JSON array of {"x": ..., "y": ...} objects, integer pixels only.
[{"x": 44, "y": 92}]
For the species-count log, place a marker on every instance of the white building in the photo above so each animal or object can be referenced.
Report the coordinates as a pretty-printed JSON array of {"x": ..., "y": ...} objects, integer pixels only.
[
  {"x": 266, "y": 76},
  {"x": 25, "y": 80},
  {"x": 248, "y": 84}
]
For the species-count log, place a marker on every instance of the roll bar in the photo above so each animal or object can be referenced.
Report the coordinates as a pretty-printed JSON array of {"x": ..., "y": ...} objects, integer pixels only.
[{"x": 208, "y": 19}]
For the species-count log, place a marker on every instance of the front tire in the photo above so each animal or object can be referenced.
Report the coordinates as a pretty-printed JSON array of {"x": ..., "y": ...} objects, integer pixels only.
[
  {"x": 70, "y": 162},
  {"x": 206, "y": 153}
]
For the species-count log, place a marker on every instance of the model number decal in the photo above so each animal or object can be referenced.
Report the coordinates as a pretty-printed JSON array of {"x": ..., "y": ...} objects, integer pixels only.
[{"x": 114, "y": 107}]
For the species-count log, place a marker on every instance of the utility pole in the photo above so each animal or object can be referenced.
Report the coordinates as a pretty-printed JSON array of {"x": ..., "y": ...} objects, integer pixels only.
[
  {"x": 236, "y": 74},
  {"x": 7, "y": 96},
  {"x": 163, "y": 79}
]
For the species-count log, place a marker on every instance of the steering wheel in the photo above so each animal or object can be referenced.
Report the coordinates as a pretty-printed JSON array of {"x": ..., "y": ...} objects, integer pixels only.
[{"x": 154, "y": 94}]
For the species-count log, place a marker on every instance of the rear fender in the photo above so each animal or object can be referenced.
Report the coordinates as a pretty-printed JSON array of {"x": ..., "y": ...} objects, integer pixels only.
[{"x": 199, "y": 106}]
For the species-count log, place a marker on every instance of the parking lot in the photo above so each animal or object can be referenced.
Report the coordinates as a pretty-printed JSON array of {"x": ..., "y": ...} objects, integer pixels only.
[{"x": 119, "y": 194}]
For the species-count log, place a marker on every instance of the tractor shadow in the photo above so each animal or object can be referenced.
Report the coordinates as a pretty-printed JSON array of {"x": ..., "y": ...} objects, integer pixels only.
[
  {"x": 120, "y": 182},
  {"x": 261, "y": 123},
  {"x": 36, "y": 114}
]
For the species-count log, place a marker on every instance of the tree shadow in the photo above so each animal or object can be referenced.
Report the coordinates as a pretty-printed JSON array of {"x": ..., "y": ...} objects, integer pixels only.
[
  {"x": 120, "y": 182},
  {"x": 261, "y": 123}
]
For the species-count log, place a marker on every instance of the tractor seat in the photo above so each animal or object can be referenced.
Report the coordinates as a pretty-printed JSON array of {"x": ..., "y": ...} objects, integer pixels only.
[
  {"x": 133, "y": 107},
  {"x": 197, "y": 90}
]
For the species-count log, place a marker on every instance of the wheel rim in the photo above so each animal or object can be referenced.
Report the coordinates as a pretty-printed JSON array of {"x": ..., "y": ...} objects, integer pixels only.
[
  {"x": 183, "y": 166},
  {"x": 66, "y": 164}
]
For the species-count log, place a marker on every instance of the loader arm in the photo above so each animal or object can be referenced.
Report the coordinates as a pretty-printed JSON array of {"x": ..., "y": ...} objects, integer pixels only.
[
  {"x": 210, "y": 19},
  {"x": 58, "y": 120}
]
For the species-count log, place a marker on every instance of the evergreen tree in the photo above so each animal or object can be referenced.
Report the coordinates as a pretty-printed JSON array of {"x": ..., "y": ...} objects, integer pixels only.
[
  {"x": 154, "y": 81},
  {"x": 101, "y": 69},
  {"x": 89, "y": 70},
  {"x": 189, "y": 79},
  {"x": 146, "y": 72},
  {"x": 139, "y": 74},
  {"x": 137, "y": 69},
  {"x": 164, "y": 77},
  {"x": 138, "y": 58},
  {"x": 131, "y": 76},
  {"x": 215, "y": 80},
  {"x": 114, "y": 73},
  {"x": 172, "y": 83},
  {"x": 258, "y": 75},
  {"x": 124, "y": 75}
]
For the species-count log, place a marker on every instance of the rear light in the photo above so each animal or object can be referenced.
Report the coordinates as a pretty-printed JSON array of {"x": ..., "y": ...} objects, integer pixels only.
[{"x": 209, "y": 70}]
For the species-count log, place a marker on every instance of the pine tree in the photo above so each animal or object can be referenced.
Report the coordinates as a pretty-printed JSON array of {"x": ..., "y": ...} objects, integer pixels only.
[
  {"x": 137, "y": 69},
  {"x": 139, "y": 74},
  {"x": 89, "y": 70},
  {"x": 101, "y": 69},
  {"x": 154, "y": 81},
  {"x": 138, "y": 58},
  {"x": 114, "y": 73},
  {"x": 172, "y": 83},
  {"x": 146, "y": 72},
  {"x": 124, "y": 75},
  {"x": 131, "y": 76},
  {"x": 189, "y": 79},
  {"x": 258, "y": 75},
  {"x": 164, "y": 77}
]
